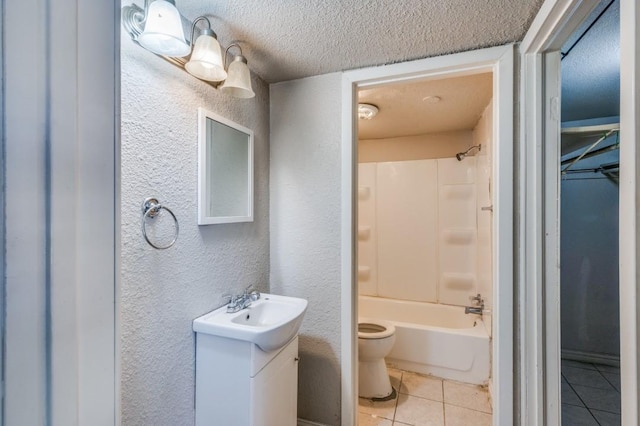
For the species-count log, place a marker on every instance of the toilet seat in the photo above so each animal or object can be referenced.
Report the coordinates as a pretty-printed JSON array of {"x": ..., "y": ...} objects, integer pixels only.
[{"x": 374, "y": 329}]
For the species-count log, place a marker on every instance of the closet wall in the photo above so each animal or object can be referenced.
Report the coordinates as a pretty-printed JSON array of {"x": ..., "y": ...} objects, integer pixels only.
[{"x": 589, "y": 261}]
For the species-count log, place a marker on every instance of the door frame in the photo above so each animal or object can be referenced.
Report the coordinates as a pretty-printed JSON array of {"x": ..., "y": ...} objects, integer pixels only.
[
  {"x": 500, "y": 61},
  {"x": 60, "y": 133},
  {"x": 538, "y": 249}
]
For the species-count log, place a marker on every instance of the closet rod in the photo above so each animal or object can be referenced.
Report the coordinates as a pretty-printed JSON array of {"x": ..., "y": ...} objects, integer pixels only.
[
  {"x": 593, "y": 153},
  {"x": 586, "y": 151}
]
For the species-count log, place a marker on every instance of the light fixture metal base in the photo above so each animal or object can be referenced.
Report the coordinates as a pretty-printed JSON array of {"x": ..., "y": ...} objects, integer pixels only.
[{"x": 133, "y": 20}]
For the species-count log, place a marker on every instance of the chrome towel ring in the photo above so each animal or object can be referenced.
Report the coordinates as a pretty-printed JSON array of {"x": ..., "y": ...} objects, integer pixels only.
[{"x": 150, "y": 209}]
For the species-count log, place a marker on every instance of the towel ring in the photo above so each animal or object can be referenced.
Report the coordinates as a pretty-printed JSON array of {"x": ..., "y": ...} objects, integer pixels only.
[{"x": 150, "y": 209}]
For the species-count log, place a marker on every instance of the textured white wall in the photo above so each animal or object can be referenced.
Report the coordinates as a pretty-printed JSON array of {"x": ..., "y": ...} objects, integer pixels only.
[
  {"x": 161, "y": 292},
  {"x": 305, "y": 229}
]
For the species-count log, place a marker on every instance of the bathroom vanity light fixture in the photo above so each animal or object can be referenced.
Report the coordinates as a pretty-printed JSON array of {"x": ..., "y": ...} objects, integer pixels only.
[
  {"x": 158, "y": 28},
  {"x": 238, "y": 82},
  {"x": 205, "y": 62},
  {"x": 367, "y": 111}
]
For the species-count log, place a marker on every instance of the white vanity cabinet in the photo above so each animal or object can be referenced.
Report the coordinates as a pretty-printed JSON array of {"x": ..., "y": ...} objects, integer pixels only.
[{"x": 239, "y": 384}]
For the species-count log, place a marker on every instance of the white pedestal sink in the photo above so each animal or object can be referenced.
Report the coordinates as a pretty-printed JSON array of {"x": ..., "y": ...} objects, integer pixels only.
[{"x": 247, "y": 363}]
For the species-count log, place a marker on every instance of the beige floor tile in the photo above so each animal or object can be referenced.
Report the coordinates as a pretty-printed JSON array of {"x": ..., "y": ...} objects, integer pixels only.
[
  {"x": 419, "y": 411},
  {"x": 395, "y": 376},
  {"x": 459, "y": 416},
  {"x": 385, "y": 409},
  {"x": 422, "y": 386},
  {"x": 369, "y": 420},
  {"x": 467, "y": 396}
]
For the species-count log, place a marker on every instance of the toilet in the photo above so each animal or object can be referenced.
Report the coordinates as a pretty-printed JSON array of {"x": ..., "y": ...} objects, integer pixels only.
[{"x": 375, "y": 341}]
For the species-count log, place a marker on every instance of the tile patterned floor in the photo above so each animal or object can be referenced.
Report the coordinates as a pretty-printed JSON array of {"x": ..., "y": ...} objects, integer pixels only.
[
  {"x": 429, "y": 401},
  {"x": 590, "y": 394}
]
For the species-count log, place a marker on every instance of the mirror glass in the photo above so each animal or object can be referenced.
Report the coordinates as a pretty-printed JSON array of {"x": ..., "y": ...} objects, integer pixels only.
[{"x": 225, "y": 170}]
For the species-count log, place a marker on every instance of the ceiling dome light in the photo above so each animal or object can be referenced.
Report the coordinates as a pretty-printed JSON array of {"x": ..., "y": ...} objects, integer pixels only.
[
  {"x": 163, "y": 33},
  {"x": 367, "y": 111}
]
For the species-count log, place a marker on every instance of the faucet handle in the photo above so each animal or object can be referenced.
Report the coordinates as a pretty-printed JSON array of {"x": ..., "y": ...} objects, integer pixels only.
[
  {"x": 477, "y": 298},
  {"x": 232, "y": 300},
  {"x": 254, "y": 295}
]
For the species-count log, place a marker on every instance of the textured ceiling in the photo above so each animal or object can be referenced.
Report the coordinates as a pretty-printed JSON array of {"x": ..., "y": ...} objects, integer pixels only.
[
  {"x": 591, "y": 71},
  {"x": 404, "y": 111},
  {"x": 288, "y": 39}
]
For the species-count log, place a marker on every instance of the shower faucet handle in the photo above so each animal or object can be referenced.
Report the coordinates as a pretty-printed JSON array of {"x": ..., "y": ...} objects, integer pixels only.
[{"x": 477, "y": 298}]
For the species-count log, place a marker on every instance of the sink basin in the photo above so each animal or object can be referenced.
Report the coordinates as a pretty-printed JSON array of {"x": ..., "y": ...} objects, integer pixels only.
[{"x": 270, "y": 322}]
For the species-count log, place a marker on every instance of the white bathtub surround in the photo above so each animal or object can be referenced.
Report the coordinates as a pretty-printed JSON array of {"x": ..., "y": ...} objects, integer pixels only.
[
  {"x": 418, "y": 230},
  {"x": 457, "y": 228},
  {"x": 406, "y": 213},
  {"x": 434, "y": 339},
  {"x": 367, "y": 230}
]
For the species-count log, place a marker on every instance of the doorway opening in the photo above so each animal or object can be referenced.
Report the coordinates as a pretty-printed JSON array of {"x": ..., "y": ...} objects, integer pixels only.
[
  {"x": 497, "y": 63},
  {"x": 424, "y": 259},
  {"x": 540, "y": 284},
  {"x": 589, "y": 232}
]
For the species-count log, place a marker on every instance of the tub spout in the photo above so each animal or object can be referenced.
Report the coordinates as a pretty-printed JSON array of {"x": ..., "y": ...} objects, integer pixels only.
[{"x": 473, "y": 310}]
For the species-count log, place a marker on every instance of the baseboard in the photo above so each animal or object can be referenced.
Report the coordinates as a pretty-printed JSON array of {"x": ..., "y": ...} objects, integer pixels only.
[
  {"x": 302, "y": 422},
  {"x": 590, "y": 357}
]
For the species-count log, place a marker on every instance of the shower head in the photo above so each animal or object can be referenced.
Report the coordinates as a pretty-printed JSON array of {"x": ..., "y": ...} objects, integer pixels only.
[{"x": 461, "y": 155}]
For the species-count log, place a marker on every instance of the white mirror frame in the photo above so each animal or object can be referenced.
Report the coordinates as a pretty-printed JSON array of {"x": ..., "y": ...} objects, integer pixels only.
[{"x": 203, "y": 186}]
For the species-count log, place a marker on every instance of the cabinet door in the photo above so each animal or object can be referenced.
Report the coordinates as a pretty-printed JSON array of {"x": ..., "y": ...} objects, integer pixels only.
[{"x": 274, "y": 390}]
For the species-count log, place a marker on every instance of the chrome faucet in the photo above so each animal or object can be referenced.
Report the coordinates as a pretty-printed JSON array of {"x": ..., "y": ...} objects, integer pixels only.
[
  {"x": 474, "y": 309},
  {"x": 242, "y": 301},
  {"x": 479, "y": 302}
]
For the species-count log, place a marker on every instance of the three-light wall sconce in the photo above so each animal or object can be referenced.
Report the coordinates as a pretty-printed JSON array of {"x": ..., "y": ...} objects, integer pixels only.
[{"x": 158, "y": 28}]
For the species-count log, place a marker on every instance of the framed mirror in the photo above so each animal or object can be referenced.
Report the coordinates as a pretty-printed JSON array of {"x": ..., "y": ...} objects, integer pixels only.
[{"x": 225, "y": 170}]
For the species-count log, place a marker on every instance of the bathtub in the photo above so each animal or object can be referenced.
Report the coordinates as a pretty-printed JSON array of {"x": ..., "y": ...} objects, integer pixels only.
[{"x": 440, "y": 340}]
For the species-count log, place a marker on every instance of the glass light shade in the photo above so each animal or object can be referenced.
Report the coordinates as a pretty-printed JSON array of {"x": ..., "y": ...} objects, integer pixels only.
[
  {"x": 206, "y": 60},
  {"x": 163, "y": 33},
  {"x": 238, "y": 82}
]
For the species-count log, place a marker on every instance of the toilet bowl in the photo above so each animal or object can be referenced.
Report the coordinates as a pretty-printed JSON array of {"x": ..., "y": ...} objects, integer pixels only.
[{"x": 375, "y": 341}]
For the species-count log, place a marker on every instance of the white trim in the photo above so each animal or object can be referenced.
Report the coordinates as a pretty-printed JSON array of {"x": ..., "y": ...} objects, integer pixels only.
[
  {"x": 550, "y": 156},
  {"x": 349, "y": 311},
  {"x": 3, "y": 242},
  {"x": 204, "y": 191},
  {"x": 498, "y": 60},
  {"x": 503, "y": 230},
  {"x": 61, "y": 210},
  {"x": 24, "y": 185},
  {"x": 538, "y": 285},
  {"x": 629, "y": 209}
]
